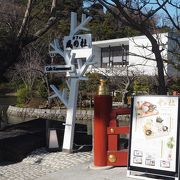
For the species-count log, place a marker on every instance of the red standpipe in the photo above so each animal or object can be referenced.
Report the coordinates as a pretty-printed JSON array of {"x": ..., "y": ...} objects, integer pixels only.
[{"x": 102, "y": 111}]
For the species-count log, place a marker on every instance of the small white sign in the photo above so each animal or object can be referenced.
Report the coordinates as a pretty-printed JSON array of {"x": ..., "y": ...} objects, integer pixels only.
[{"x": 53, "y": 140}]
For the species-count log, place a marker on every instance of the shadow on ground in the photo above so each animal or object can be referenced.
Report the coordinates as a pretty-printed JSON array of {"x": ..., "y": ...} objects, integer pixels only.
[{"x": 17, "y": 141}]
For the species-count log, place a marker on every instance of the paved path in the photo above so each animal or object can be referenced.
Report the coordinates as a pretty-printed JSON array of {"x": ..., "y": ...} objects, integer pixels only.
[
  {"x": 40, "y": 163},
  {"x": 83, "y": 172}
]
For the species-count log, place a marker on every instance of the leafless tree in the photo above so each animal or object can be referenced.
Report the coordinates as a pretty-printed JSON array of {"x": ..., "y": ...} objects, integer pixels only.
[
  {"x": 172, "y": 13},
  {"x": 30, "y": 68},
  {"x": 139, "y": 15},
  {"x": 121, "y": 78},
  {"x": 20, "y": 30}
]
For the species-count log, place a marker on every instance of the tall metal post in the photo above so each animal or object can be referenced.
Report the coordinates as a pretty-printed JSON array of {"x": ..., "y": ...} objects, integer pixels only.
[{"x": 71, "y": 116}]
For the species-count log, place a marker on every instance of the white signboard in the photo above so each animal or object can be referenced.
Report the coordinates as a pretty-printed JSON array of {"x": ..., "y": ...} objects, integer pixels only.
[
  {"x": 154, "y": 134},
  {"x": 77, "y": 42},
  {"x": 80, "y": 45}
]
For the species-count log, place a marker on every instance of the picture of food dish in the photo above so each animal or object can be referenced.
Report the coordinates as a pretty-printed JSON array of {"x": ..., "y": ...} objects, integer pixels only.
[
  {"x": 165, "y": 164},
  {"x": 170, "y": 145},
  {"x": 145, "y": 109},
  {"x": 155, "y": 128},
  {"x": 137, "y": 160},
  {"x": 150, "y": 162},
  {"x": 138, "y": 153}
]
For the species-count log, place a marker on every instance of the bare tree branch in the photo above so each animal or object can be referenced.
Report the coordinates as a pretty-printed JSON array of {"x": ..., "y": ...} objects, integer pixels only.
[
  {"x": 152, "y": 13},
  {"x": 51, "y": 21},
  {"x": 139, "y": 23},
  {"x": 25, "y": 19},
  {"x": 53, "y": 7},
  {"x": 42, "y": 31}
]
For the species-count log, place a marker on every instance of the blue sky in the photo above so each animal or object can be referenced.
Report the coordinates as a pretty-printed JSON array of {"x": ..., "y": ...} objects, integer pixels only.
[{"x": 172, "y": 10}]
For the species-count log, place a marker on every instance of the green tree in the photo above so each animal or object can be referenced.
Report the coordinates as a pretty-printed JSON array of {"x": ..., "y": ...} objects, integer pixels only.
[
  {"x": 105, "y": 26},
  {"x": 89, "y": 88}
]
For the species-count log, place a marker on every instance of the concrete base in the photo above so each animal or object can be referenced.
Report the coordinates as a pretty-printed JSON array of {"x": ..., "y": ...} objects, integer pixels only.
[
  {"x": 67, "y": 150},
  {"x": 93, "y": 167}
]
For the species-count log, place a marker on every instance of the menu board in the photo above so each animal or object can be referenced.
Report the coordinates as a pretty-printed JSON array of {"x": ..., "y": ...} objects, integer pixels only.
[{"x": 154, "y": 133}]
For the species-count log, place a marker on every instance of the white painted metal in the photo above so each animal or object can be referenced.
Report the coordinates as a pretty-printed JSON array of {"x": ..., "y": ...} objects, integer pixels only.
[
  {"x": 81, "y": 26},
  {"x": 73, "y": 22},
  {"x": 56, "y": 48},
  {"x": 86, "y": 64},
  {"x": 71, "y": 116},
  {"x": 59, "y": 95},
  {"x": 73, "y": 76}
]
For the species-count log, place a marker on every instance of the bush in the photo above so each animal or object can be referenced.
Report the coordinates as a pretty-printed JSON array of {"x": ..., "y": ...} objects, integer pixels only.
[
  {"x": 42, "y": 91},
  {"x": 23, "y": 96}
]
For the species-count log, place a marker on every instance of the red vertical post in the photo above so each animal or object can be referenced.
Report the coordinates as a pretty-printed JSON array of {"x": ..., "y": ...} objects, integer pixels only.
[{"x": 102, "y": 112}]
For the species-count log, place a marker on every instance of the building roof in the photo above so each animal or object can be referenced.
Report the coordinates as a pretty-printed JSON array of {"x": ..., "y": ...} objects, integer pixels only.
[{"x": 120, "y": 41}]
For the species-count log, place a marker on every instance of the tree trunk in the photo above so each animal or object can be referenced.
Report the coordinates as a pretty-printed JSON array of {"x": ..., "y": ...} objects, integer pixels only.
[
  {"x": 160, "y": 67},
  {"x": 9, "y": 55},
  {"x": 159, "y": 60},
  {"x": 124, "y": 98}
]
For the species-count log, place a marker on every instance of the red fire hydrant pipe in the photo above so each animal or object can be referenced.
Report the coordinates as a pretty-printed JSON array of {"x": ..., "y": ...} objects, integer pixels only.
[{"x": 102, "y": 110}]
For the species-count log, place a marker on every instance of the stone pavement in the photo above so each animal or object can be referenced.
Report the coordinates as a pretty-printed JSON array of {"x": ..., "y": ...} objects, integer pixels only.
[
  {"x": 40, "y": 163},
  {"x": 83, "y": 172},
  {"x": 43, "y": 165}
]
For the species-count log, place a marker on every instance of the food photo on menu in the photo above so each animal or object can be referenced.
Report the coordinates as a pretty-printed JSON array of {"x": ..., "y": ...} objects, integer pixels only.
[
  {"x": 150, "y": 160},
  {"x": 155, "y": 127},
  {"x": 145, "y": 109},
  {"x": 153, "y": 124}
]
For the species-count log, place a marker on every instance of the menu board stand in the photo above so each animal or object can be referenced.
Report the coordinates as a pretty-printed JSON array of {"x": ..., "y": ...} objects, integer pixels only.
[
  {"x": 154, "y": 138},
  {"x": 144, "y": 176}
]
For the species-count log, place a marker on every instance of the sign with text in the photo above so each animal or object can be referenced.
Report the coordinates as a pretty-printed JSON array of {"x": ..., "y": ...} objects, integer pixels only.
[
  {"x": 58, "y": 68},
  {"x": 154, "y": 135},
  {"x": 80, "y": 45}
]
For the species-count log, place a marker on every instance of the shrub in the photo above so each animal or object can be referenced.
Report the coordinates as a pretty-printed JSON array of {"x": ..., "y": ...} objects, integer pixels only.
[
  {"x": 42, "y": 91},
  {"x": 23, "y": 96}
]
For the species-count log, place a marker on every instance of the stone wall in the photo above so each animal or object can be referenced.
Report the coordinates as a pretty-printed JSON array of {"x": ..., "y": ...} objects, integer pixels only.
[
  {"x": 55, "y": 114},
  {"x": 52, "y": 114}
]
